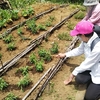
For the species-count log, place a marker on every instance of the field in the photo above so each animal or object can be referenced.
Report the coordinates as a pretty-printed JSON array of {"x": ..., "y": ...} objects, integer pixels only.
[{"x": 24, "y": 35}]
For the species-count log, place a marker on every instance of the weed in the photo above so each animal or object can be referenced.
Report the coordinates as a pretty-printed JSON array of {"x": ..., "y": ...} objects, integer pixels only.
[{"x": 51, "y": 87}]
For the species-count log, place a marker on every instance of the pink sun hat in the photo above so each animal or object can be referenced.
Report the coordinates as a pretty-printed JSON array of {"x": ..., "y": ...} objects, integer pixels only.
[{"x": 83, "y": 27}]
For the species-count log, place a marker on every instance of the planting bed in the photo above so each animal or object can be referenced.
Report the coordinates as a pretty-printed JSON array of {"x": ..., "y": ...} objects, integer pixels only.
[{"x": 56, "y": 90}]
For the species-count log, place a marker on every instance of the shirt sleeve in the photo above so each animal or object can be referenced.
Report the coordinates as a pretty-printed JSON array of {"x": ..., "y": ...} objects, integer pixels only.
[
  {"x": 76, "y": 52},
  {"x": 90, "y": 61},
  {"x": 94, "y": 17}
]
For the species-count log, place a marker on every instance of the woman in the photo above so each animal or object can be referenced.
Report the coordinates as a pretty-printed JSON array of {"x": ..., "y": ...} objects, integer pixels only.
[
  {"x": 88, "y": 72},
  {"x": 93, "y": 13}
]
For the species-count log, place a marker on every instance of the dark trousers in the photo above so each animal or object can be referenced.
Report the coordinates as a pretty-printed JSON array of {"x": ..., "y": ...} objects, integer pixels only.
[{"x": 93, "y": 90}]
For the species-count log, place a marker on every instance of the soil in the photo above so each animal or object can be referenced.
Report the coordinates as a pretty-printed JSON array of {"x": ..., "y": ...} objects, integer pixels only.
[{"x": 57, "y": 90}]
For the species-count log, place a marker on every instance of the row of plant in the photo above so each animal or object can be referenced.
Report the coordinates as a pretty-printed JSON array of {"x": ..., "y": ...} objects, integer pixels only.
[
  {"x": 32, "y": 27},
  {"x": 44, "y": 55},
  {"x": 8, "y": 16},
  {"x": 21, "y": 3}
]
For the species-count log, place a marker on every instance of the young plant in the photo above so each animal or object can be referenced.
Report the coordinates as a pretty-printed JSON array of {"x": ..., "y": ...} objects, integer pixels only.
[
  {"x": 24, "y": 70},
  {"x": 70, "y": 25},
  {"x": 27, "y": 12},
  {"x": 45, "y": 54},
  {"x": 14, "y": 14},
  {"x": 2, "y": 23},
  {"x": 64, "y": 36},
  {"x": 32, "y": 58},
  {"x": 24, "y": 82},
  {"x": 31, "y": 25},
  {"x": 8, "y": 39},
  {"x": 39, "y": 66},
  {"x": 20, "y": 33},
  {"x": 48, "y": 23},
  {"x": 79, "y": 15},
  {"x": 41, "y": 27},
  {"x": 51, "y": 18},
  {"x": 3, "y": 84},
  {"x": 11, "y": 96},
  {"x": 11, "y": 46},
  {"x": 54, "y": 48}
]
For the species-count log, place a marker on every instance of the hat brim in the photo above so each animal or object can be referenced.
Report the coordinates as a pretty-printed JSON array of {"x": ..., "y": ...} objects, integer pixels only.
[
  {"x": 90, "y": 4},
  {"x": 74, "y": 33}
]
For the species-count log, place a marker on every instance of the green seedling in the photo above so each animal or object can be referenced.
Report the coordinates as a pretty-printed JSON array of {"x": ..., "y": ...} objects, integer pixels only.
[
  {"x": 54, "y": 48},
  {"x": 48, "y": 23},
  {"x": 14, "y": 14},
  {"x": 39, "y": 66},
  {"x": 3, "y": 84},
  {"x": 31, "y": 25},
  {"x": 70, "y": 25},
  {"x": 64, "y": 36},
  {"x": 8, "y": 39},
  {"x": 24, "y": 82},
  {"x": 79, "y": 15},
  {"x": 11, "y": 46},
  {"x": 11, "y": 96},
  {"x": 45, "y": 54},
  {"x": 41, "y": 27},
  {"x": 32, "y": 58},
  {"x": 51, "y": 18},
  {"x": 24, "y": 70},
  {"x": 27, "y": 12}
]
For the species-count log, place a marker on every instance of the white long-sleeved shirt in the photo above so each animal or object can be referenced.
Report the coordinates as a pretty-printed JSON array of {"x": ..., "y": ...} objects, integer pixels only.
[{"x": 92, "y": 59}]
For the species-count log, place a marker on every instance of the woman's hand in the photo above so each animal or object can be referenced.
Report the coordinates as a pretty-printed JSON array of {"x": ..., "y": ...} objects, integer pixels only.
[
  {"x": 61, "y": 55},
  {"x": 69, "y": 80}
]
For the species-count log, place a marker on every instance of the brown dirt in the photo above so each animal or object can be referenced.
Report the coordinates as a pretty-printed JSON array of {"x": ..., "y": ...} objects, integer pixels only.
[{"x": 57, "y": 91}]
